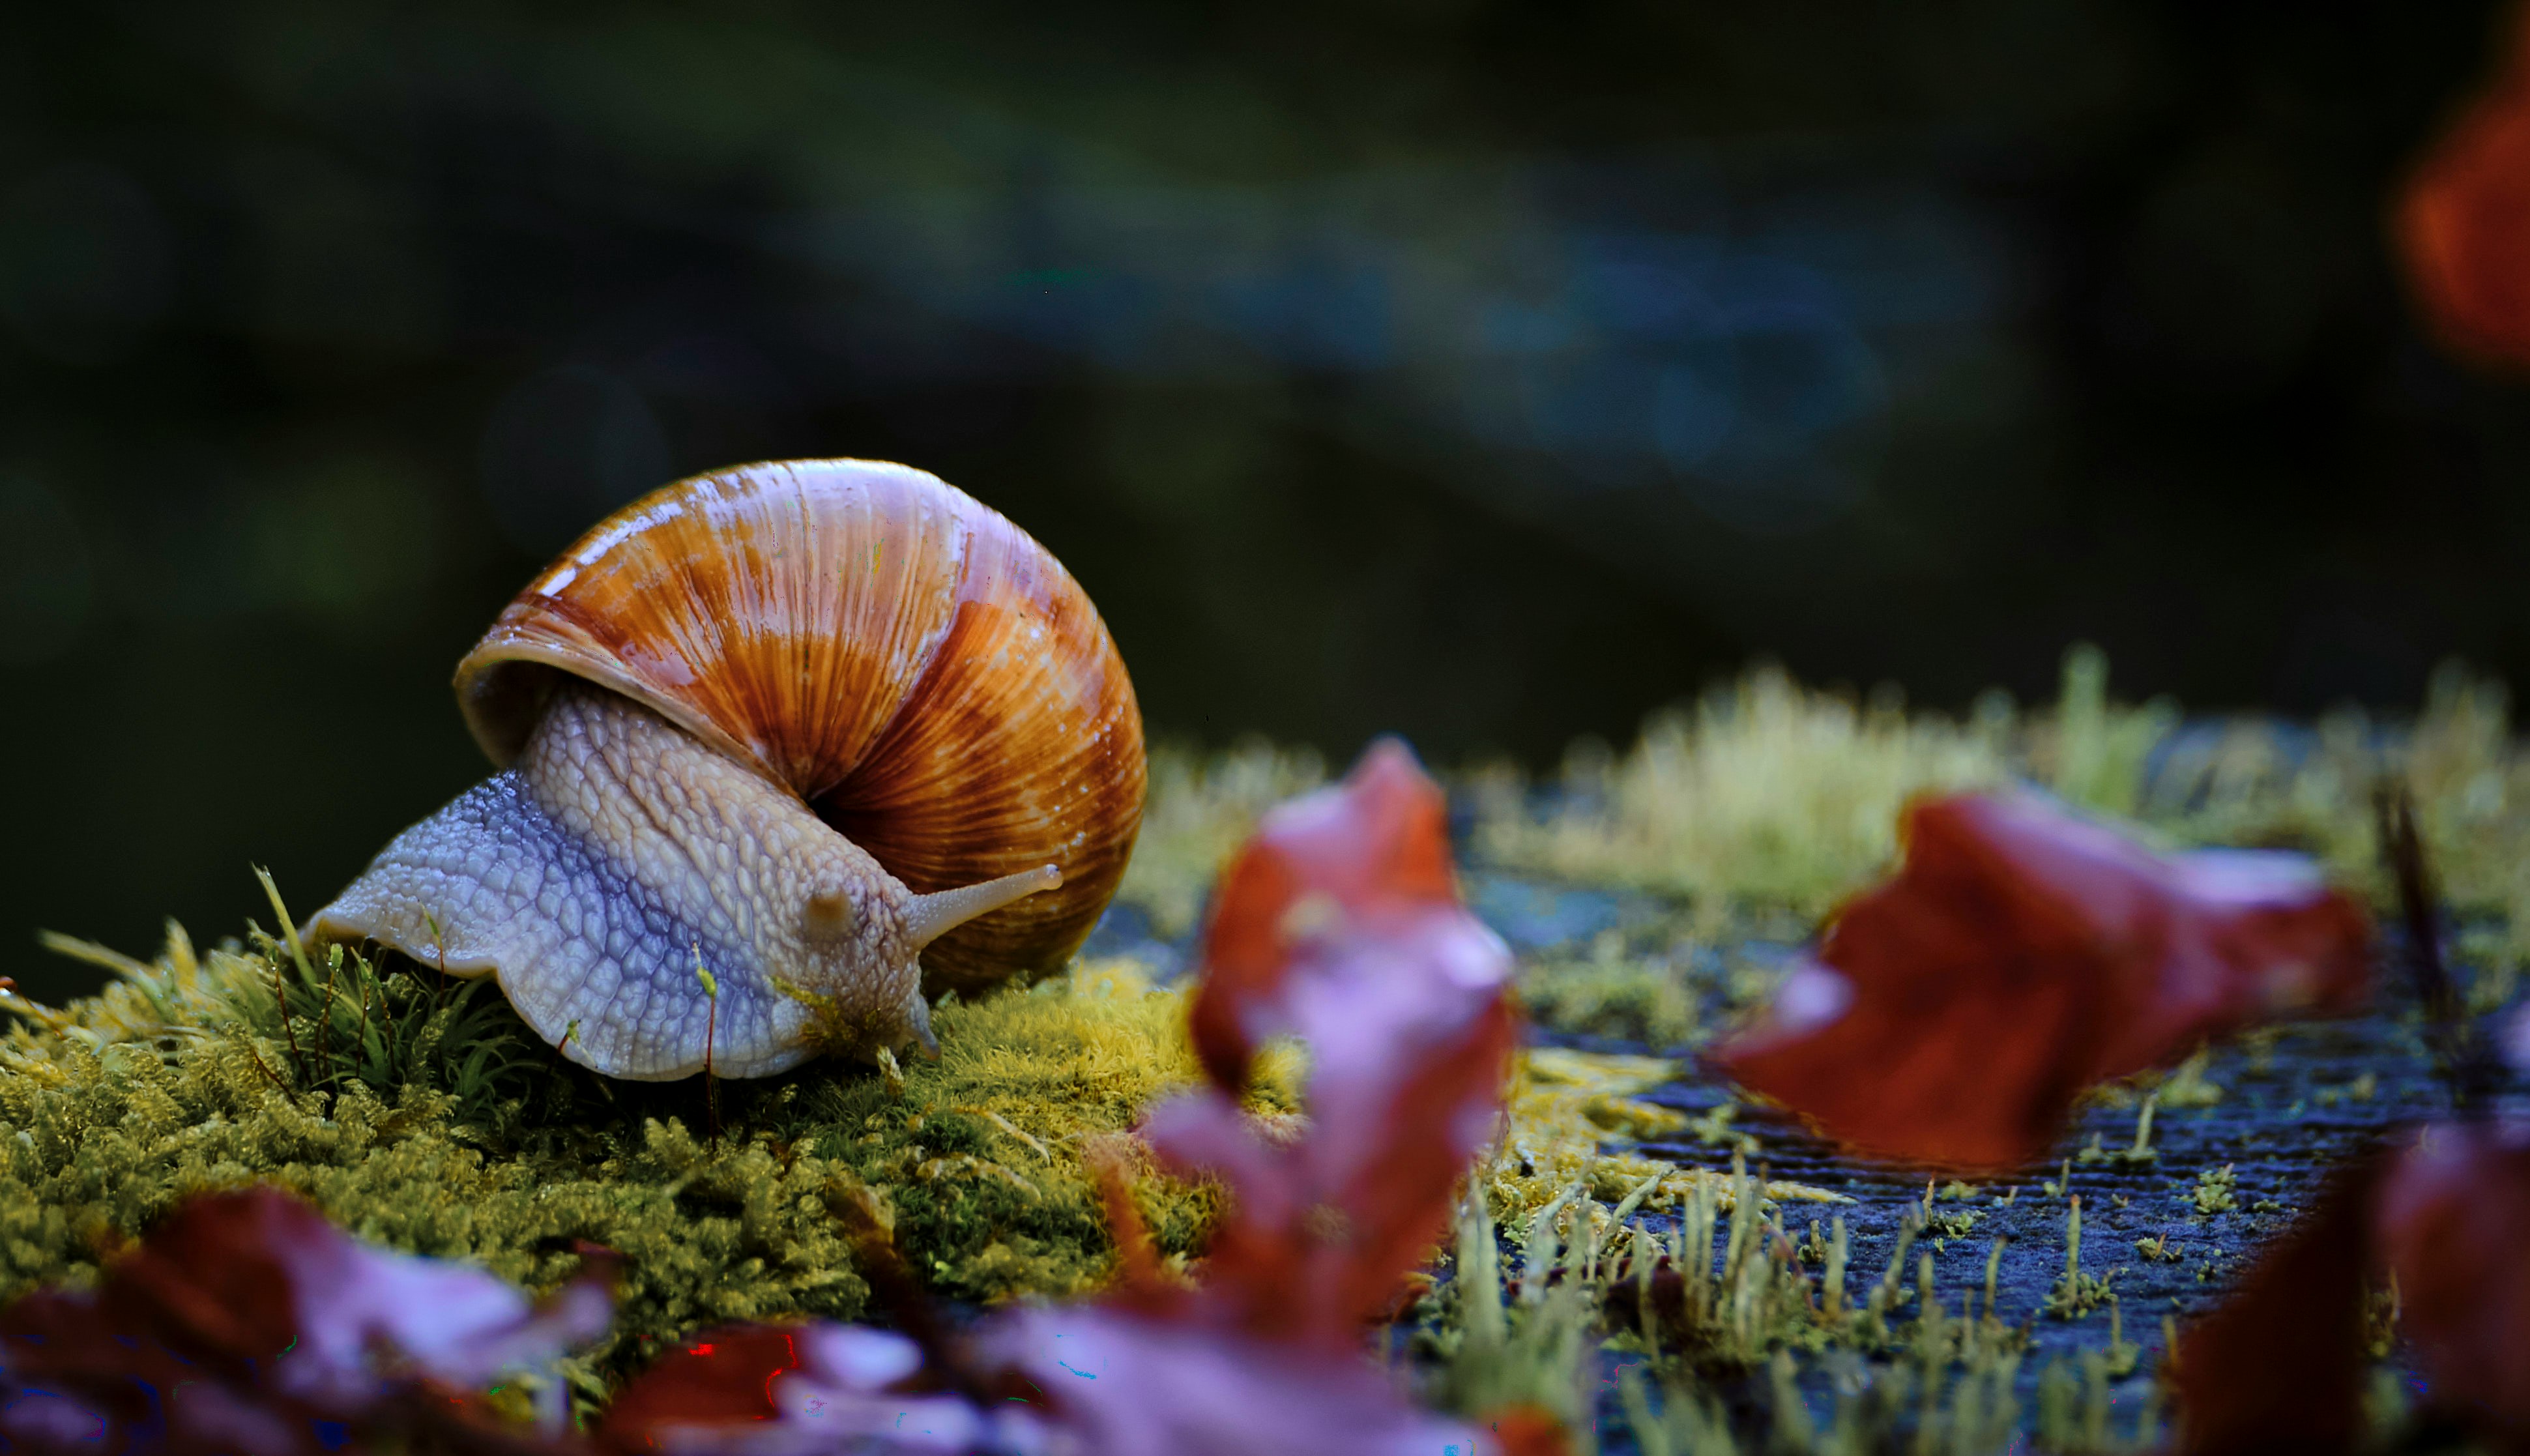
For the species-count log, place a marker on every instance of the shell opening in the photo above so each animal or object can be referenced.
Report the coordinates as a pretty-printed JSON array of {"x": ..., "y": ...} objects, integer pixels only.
[{"x": 931, "y": 917}]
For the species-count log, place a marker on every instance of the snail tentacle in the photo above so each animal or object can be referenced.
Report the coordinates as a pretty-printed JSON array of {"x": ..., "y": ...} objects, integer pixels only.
[{"x": 927, "y": 917}]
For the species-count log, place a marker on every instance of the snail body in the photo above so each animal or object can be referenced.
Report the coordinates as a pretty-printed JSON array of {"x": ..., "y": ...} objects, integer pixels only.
[{"x": 782, "y": 748}]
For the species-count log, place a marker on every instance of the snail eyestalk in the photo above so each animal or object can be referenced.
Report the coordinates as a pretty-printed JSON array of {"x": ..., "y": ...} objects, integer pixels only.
[{"x": 930, "y": 917}]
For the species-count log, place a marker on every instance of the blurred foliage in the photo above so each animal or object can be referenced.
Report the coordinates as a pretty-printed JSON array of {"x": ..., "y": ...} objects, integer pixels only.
[
  {"x": 1482, "y": 373},
  {"x": 1738, "y": 878}
]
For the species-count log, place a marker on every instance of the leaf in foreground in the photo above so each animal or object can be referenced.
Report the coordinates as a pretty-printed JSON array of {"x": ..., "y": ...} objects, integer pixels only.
[
  {"x": 2465, "y": 217},
  {"x": 246, "y": 1322},
  {"x": 2022, "y": 953}
]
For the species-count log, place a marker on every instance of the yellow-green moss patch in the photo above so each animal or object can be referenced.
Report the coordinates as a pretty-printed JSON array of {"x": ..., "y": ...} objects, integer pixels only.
[{"x": 482, "y": 1146}]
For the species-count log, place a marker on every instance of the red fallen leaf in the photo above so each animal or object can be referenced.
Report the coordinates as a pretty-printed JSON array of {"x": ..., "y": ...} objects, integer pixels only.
[
  {"x": 2277, "y": 1368},
  {"x": 721, "y": 1377},
  {"x": 2450, "y": 1215},
  {"x": 1371, "y": 852},
  {"x": 1095, "y": 1381},
  {"x": 1120, "y": 1383},
  {"x": 1340, "y": 922},
  {"x": 247, "y": 1322},
  {"x": 2463, "y": 221},
  {"x": 770, "y": 1389},
  {"x": 2021, "y": 953},
  {"x": 1530, "y": 1431}
]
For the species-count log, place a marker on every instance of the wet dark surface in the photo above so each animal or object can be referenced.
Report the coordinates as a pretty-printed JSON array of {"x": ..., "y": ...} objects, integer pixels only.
[
  {"x": 2279, "y": 1109},
  {"x": 2293, "y": 1102},
  {"x": 1126, "y": 930}
]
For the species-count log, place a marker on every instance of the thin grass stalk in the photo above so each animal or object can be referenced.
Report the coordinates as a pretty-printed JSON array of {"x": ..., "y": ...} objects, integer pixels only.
[{"x": 1834, "y": 1273}]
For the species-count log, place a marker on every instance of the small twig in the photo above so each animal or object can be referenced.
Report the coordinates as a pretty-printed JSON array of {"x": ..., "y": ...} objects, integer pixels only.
[
  {"x": 366, "y": 985},
  {"x": 325, "y": 1021},
  {"x": 265, "y": 1068},
  {"x": 280, "y": 988},
  {"x": 377, "y": 971},
  {"x": 272, "y": 1077},
  {"x": 1007, "y": 1125},
  {"x": 711, "y": 1027},
  {"x": 281, "y": 995},
  {"x": 2461, "y": 1058}
]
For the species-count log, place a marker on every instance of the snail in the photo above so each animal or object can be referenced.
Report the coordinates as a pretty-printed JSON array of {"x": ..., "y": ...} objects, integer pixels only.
[{"x": 781, "y": 748}]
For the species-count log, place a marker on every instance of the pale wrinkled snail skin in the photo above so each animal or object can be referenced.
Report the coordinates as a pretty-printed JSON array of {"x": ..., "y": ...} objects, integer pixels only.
[{"x": 616, "y": 855}]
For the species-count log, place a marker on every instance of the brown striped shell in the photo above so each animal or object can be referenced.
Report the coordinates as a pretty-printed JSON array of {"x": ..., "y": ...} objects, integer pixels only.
[{"x": 925, "y": 676}]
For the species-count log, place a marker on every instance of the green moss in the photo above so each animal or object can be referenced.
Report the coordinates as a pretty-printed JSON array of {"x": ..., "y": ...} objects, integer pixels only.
[
  {"x": 1568, "y": 1108},
  {"x": 1770, "y": 796},
  {"x": 2094, "y": 751},
  {"x": 1764, "y": 792},
  {"x": 1584, "y": 1283},
  {"x": 2216, "y": 1192},
  {"x": 426, "y": 1117},
  {"x": 2075, "y": 1293},
  {"x": 1609, "y": 992}
]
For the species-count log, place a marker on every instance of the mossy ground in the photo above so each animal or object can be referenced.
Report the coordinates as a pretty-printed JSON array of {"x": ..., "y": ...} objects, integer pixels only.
[
  {"x": 420, "y": 1113},
  {"x": 1654, "y": 897}
]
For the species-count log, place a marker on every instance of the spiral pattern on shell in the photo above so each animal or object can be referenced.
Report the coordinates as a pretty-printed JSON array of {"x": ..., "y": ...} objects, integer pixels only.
[{"x": 921, "y": 672}]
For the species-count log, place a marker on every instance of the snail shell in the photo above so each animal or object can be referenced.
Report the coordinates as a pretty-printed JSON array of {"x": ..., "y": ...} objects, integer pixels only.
[{"x": 765, "y": 735}]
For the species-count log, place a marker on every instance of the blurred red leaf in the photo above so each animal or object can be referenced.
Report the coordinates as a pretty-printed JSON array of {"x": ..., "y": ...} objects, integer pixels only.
[
  {"x": 2277, "y": 1366},
  {"x": 2463, "y": 221},
  {"x": 247, "y": 1322},
  {"x": 1370, "y": 855},
  {"x": 721, "y": 1377},
  {"x": 1529, "y": 1431},
  {"x": 1126, "y": 1384},
  {"x": 772, "y": 1389},
  {"x": 1092, "y": 1379},
  {"x": 2022, "y": 953},
  {"x": 1340, "y": 922},
  {"x": 2452, "y": 1213}
]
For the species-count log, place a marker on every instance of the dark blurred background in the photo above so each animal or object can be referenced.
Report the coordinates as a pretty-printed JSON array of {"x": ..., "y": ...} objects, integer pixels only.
[{"x": 1493, "y": 373}]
